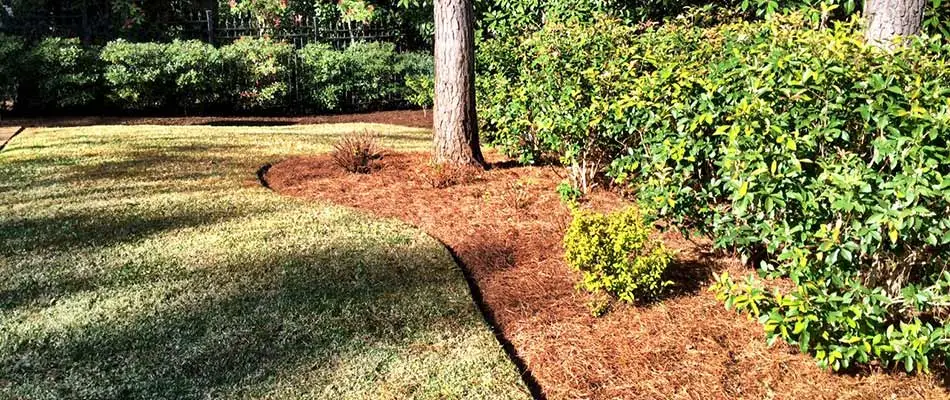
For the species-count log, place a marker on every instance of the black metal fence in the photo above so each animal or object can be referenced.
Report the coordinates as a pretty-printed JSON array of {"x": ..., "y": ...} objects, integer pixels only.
[{"x": 97, "y": 27}]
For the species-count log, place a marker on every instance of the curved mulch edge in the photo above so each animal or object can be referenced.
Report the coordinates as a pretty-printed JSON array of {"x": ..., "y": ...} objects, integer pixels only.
[
  {"x": 487, "y": 316},
  {"x": 686, "y": 346}
]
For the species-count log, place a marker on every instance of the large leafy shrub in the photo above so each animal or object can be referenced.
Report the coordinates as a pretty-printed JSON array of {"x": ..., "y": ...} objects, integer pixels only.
[
  {"x": 370, "y": 73},
  {"x": 61, "y": 73},
  {"x": 818, "y": 158},
  {"x": 11, "y": 50},
  {"x": 135, "y": 74},
  {"x": 196, "y": 69},
  {"x": 323, "y": 70},
  {"x": 616, "y": 254},
  {"x": 158, "y": 75},
  {"x": 259, "y": 71},
  {"x": 548, "y": 95},
  {"x": 420, "y": 90},
  {"x": 365, "y": 74}
]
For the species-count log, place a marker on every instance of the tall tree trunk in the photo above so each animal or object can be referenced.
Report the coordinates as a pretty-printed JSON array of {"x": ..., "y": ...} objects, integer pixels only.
[
  {"x": 889, "y": 19},
  {"x": 454, "y": 119}
]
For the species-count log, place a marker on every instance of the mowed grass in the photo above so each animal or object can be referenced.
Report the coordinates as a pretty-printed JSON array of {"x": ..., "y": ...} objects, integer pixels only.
[{"x": 146, "y": 262}]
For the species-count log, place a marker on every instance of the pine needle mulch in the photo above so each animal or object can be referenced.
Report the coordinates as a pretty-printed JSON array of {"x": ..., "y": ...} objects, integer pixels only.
[{"x": 506, "y": 225}]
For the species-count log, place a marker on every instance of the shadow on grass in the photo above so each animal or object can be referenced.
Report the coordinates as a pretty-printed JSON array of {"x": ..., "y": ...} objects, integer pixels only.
[
  {"x": 240, "y": 327},
  {"x": 90, "y": 229}
]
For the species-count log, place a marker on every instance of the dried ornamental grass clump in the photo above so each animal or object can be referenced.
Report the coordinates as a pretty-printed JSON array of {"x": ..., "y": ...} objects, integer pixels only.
[{"x": 358, "y": 152}]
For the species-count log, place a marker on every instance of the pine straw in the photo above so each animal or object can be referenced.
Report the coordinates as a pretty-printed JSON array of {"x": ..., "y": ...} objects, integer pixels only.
[{"x": 507, "y": 225}]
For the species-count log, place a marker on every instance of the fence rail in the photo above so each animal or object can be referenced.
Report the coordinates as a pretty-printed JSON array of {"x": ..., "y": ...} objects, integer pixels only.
[
  {"x": 204, "y": 25},
  {"x": 97, "y": 27}
]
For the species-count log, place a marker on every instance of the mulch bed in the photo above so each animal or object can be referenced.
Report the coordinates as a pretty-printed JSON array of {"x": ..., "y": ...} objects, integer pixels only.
[
  {"x": 412, "y": 118},
  {"x": 506, "y": 227}
]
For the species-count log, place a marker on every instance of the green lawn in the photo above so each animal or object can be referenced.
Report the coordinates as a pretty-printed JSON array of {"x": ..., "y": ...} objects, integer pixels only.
[{"x": 145, "y": 262}]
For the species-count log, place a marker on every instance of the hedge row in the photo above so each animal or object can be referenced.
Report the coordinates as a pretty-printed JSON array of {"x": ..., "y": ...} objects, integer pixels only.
[
  {"x": 250, "y": 74},
  {"x": 820, "y": 159}
]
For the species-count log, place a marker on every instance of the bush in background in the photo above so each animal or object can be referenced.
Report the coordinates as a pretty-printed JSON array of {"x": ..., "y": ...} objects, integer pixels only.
[
  {"x": 364, "y": 74},
  {"x": 11, "y": 52},
  {"x": 420, "y": 90},
  {"x": 250, "y": 74},
  {"x": 181, "y": 74},
  {"x": 617, "y": 255},
  {"x": 135, "y": 75},
  {"x": 324, "y": 70},
  {"x": 370, "y": 72},
  {"x": 260, "y": 69},
  {"x": 417, "y": 72},
  {"x": 197, "y": 69},
  {"x": 61, "y": 73}
]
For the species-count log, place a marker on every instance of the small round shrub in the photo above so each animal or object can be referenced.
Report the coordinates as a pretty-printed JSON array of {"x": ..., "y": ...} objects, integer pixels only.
[{"x": 617, "y": 255}]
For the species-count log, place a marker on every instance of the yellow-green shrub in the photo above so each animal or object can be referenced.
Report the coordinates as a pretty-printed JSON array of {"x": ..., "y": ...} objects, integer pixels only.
[{"x": 616, "y": 254}]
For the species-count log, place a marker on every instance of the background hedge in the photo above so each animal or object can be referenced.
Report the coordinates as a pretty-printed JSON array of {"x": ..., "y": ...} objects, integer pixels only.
[{"x": 251, "y": 74}]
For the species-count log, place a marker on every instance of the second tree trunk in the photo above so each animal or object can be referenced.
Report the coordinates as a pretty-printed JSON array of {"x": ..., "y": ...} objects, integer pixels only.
[{"x": 889, "y": 19}]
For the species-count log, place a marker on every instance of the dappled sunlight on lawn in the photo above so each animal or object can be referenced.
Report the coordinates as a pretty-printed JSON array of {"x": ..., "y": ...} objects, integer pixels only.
[{"x": 145, "y": 261}]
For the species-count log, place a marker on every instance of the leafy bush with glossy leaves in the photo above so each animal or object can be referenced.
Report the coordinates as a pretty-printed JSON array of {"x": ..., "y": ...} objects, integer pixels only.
[
  {"x": 260, "y": 67},
  {"x": 368, "y": 74},
  {"x": 546, "y": 96},
  {"x": 416, "y": 74},
  {"x": 616, "y": 254},
  {"x": 62, "y": 73},
  {"x": 818, "y": 158},
  {"x": 196, "y": 69},
  {"x": 420, "y": 90},
  {"x": 159, "y": 75},
  {"x": 135, "y": 74},
  {"x": 324, "y": 70}
]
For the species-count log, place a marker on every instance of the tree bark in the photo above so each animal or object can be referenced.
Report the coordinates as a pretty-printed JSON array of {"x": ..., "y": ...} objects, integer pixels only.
[
  {"x": 890, "y": 19},
  {"x": 453, "y": 114}
]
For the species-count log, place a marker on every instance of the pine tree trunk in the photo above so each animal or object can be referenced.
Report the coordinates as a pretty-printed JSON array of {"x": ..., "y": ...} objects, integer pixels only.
[
  {"x": 453, "y": 114},
  {"x": 889, "y": 19}
]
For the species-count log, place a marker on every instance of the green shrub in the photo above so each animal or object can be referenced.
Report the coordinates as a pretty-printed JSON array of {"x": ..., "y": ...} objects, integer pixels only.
[
  {"x": 416, "y": 74},
  {"x": 818, "y": 158},
  {"x": 62, "y": 73},
  {"x": 546, "y": 96},
  {"x": 11, "y": 52},
  {"x": 369, "y": 74},
  {"x": 157, "y": 75},
  {"x": 420, "y": 90},
  {"x": 135, "y": 74},
  {"x": 616, "y": 254},
  {"x": 323, "y": 70},
  {"x": 258, "y": 68},
  {"x": 196, "y": 69}
]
